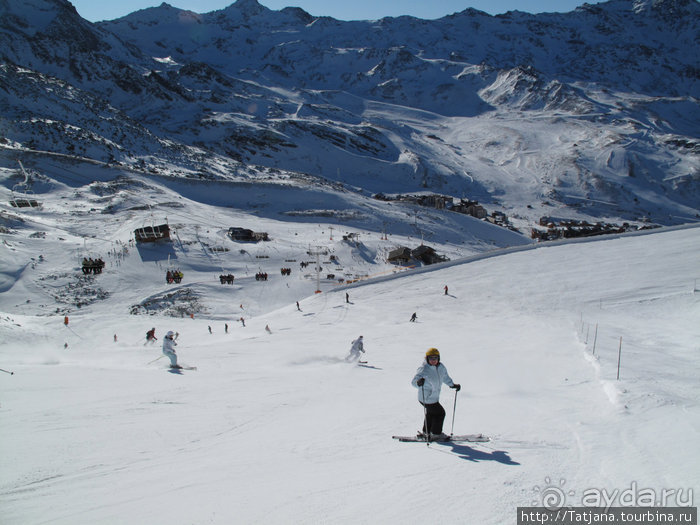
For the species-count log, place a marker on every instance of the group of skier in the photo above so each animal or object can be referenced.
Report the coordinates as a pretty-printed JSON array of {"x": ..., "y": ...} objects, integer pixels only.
[
  {"x": 169, "y": 344},
  {"x": 428, "y": 380},
  {"x": 226, "y": 279},
  {"x": 173, "y": 276},
  {"x": 92, "y": 266}
]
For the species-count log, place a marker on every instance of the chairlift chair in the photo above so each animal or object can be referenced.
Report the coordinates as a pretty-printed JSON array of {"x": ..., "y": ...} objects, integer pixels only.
[
  {"x": 152, "y": 233},
  {"x": 24, "y": 200}
]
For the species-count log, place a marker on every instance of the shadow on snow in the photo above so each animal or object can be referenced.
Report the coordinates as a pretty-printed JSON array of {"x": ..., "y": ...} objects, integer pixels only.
[{"x": 472, "y": 454}]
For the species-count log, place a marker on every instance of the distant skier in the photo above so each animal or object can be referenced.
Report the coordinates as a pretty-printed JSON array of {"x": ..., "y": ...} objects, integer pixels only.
[
  {"x": 428, "y": 380},
  {"x": 414, "y": 317},
  {"x": 445, "y": 289},
  {"x": 150, "y": 336},
  {"x": 298, "y": 307},
  {"x": 347, "y": 297},
  {"x": 226, "y": 327},
  {"x": 357, "y": 347},
  {"x": 169, "y": 345},
  {"x": 209, "y": 327}
]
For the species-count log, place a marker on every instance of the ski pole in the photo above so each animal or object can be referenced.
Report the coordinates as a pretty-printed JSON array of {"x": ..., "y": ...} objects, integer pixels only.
[
  {"x": 454, "y": 409},
  {"x": 76, "y": 333},
  {"x": 156, "y": 359},
  {"x": 425, "y": 417},
  {"x": 7, "y": 371}
]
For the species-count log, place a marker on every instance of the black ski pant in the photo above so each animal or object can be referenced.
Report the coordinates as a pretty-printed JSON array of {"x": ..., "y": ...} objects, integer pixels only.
[{"x": 434, "y": 417}]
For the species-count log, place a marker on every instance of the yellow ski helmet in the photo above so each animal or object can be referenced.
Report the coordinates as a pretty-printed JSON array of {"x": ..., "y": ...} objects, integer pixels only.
[{"x": 432, "y": 352}]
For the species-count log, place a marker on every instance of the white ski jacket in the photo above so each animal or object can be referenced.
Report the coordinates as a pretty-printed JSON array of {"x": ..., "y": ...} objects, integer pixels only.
[
  {"x": 434, "y": 377},
  {"x": 357, "y": 346},
  {"x": 169, "y": 345}
]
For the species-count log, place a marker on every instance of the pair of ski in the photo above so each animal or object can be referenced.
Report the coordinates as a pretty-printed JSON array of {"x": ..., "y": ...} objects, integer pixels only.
[
  {"x": 421, "y": 438},
  {"x": 179, "y": 367}
]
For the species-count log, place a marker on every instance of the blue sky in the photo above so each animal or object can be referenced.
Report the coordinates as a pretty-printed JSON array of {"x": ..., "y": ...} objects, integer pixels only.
[{"x": 95, "y": 10}]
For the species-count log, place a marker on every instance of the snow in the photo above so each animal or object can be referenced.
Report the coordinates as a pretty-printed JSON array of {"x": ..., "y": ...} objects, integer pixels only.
[
  {"x": 532, "y": 115},
  {"x": 276, "y": 427}
]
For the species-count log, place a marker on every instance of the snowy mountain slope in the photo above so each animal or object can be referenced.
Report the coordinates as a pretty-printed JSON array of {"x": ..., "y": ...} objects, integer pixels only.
[
  {"x": 275, "y": 427},
  {"x": 572, "y": 46},
  {"x": 587, "y": 115},
  {"x": 97, "y": 219}
]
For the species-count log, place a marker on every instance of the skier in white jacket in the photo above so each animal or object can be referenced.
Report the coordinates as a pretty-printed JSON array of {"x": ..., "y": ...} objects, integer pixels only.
[
  {"x": 355, "y": 350},
  {"x": 169, "y": 345},
  {"x": 428, "y": 380}
]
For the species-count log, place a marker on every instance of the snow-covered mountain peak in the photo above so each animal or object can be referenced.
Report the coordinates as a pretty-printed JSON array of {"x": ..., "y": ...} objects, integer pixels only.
[
  {"x": 164, "y": 14},
  {"x": 669, "y": 10},
  {"x": 666, "y": 8},
  {"x": 247, "y": 8},
  {"x": 40, "y": 16}
]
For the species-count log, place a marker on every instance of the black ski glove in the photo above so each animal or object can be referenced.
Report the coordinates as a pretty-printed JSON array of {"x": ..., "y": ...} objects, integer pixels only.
[
  {"x": 421, "y": 381},
  {"x": 457, "y": 387}
]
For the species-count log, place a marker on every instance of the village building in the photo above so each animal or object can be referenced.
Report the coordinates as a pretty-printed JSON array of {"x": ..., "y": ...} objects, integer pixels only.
[
  {"x": 246, "y": 235},
  {"x": 499, "y": 218},
  {"x": 472, "y": 208},
  {"x": 400, "y": 255},
  {"x": 439, "y": 202},
  {"x": 426, "y": 255}
]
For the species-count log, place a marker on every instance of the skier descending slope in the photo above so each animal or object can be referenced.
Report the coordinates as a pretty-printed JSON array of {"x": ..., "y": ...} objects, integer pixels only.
[
  {"x": 355, "y": 349},
  {"x": 169, "y": 345},
  {"x": 428, "y": 380},
  {"x": 151, "y": 336}
]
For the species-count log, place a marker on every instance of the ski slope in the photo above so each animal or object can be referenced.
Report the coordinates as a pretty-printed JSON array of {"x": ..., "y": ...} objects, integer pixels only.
[{"x": 274, "y": 427}]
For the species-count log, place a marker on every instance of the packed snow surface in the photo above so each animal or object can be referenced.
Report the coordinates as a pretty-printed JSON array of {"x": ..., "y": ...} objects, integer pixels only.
[
  {"x": 580, "y": 360},
  {"x": 275, "y": 427}
]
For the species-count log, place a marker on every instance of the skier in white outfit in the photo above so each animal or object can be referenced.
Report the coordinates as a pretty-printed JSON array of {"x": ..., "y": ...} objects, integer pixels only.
[
  {"x": 169, "y": 345},
  {"x": 355, "y": 350},
  {"x": 428, "y": 380}
]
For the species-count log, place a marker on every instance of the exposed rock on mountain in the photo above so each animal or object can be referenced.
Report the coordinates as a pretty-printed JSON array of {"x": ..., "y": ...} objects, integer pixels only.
[{"x": 521, "y": 111}]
